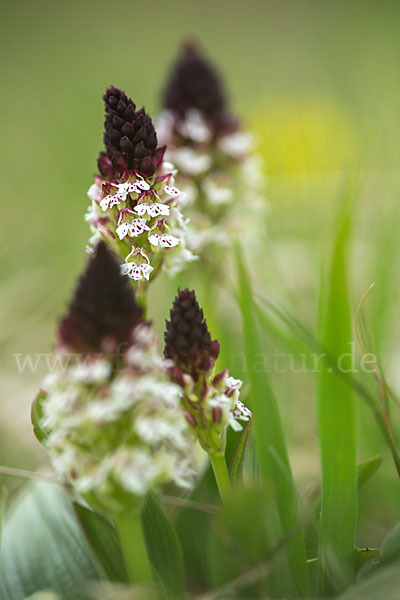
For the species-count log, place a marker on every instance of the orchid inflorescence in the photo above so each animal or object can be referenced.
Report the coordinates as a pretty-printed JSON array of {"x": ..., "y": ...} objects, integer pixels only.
[
  {"x": 210, "y": 402},
  {"x": 135, "y": 204},
  {"x": 113, "y": 417},
  {"x": 217, "y": 167}
]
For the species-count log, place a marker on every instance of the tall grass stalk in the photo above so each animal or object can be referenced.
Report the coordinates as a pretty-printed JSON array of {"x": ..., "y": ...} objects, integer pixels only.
[{"x": 336, "y": 423}]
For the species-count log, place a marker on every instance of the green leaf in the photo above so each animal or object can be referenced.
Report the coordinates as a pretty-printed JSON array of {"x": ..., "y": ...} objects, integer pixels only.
[
  {"x": 271, "y": 451},
  {"x": 367, "y": 468},
  {"x": 244, "y": 465},
  {"x": 336, "y": 428},
  {"x": 163, "y": 547},
  {"x": 236, "y": 467},
  {"x": 250, "y": 466},
  {"x": 390, "y": 550},
  {"x": 389, "y": 553},
  {"x": 382, "y": 585},
  {"x": 42, "y": 546},
  {"x": 36, "y": 416},
  {"x": 103, "y": 540}
]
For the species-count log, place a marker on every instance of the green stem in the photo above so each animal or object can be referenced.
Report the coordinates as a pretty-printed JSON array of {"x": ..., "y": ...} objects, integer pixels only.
[
  {"x": 133, "y": 545},
  {"x": 221, "y": 476},
  {"x": 141, "y": 296}
]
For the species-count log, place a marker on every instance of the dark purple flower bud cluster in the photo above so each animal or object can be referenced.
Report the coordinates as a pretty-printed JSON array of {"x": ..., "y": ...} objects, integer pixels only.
[
  {"x": 103, "y": 311},
  {"x": 187, "y": 339},
  {"x": 195, "y": 84},
  {"x": 130, "y": 138}
]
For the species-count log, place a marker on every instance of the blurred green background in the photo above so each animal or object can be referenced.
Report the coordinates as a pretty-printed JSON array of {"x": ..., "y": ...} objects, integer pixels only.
[{"x": 318, "y": 85}]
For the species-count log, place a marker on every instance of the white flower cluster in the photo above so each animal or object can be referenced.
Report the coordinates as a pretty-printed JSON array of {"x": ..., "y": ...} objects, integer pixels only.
[
  {"x": 113, "y": 433},
  {"x": 221, "y": 178},
  {"x": 212, "y": 412},
  {"x": 141, "y": 219}
]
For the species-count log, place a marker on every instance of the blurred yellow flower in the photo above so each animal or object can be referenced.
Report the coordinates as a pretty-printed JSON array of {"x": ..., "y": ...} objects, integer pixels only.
[{"x": 303, "y": 135}]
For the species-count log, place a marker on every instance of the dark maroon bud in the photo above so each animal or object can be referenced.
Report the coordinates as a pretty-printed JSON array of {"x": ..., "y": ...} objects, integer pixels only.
[
  {"x": 190, "y": 419},
  {"x": 158, "y": 156},
  {"x": 118, "y": 162},
  {"x": 147, "y": 167},
  {"x": 214, "y": 349},
  {"x": 177, "y": 375},
  {"x": 151, "y": 140},
  {"x": 117, "y": 122},
  {"x": 187, "y": 339},
  {"x": 129, "y": 113},
  {"x": 114, "y": 136},
  {"x": 128, "y": 129},
  {"x": 217, "y": 415},
  {"x": 219, "y": 378},
  {"x": 140, "y": 150},
  {"x": 140, "y": 136},
  {"x": 105, "y": 167},
  {"x": 126, "y": 146},
  {"x": 130, "y": 137},
  {"x": 121, "y": 107},
  {"x": 195, "y": 83},
  {"x": 103, "y": 311}
]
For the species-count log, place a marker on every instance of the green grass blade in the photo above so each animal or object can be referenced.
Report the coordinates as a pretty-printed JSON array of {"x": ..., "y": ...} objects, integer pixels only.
[
  {"x": 163, "y": 546},
  {"x": 270, "y": 443},
  {"x": 336, "y": 430},
  {"x": 103, "y": 541}
]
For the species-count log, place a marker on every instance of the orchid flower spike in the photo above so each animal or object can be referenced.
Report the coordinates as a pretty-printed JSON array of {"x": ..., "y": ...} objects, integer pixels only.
[
  {"x": 135, "y": 206},
  {"x": 218, "y": 170},
  {"x": 110, "y": 417},
  {"x": 210, "y": 402}
]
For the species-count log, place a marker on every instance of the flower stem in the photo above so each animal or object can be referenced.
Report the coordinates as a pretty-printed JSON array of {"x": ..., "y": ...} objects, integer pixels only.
[
  {"x": 133, "y": 546},
  {"x": 141, "y": 295},
  {"x": 221, "y": 476}
]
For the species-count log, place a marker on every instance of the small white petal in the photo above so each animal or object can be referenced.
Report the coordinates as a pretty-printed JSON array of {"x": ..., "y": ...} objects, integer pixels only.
[
  {"x": 168, "y": 241},
  {"x": 171, "y": 190},
  {"x": 146, "y": 270},
  {"x": 231, "y": 382},
  {"x": 135, "y": 273},
  {"x": 236, "y": 144},
  {"x": 168, "y": 167},
  {"x": 94, "y": 193},
  {"x": 194, "y": 127},
  {"x": 137, "y": 227},
  {"x": 191, "y": 162},
  {"x": 154, "y": 239},
  {"x": 140, "y": 209},
  {"x": 156, "y": 209},
  {"x": 142, "y": 184},
  {"x": 104, "y": 203},
  {"x": 122, "y": 230},
  {"x": 126, "y": 268}
]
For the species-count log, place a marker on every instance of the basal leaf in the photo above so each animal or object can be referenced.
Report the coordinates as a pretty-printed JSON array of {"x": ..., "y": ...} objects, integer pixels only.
[
  {"x": 163, "y": 546},
  {"x": 103, "y": 540},
  {"x": 43, "y": 547}
]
